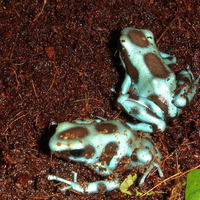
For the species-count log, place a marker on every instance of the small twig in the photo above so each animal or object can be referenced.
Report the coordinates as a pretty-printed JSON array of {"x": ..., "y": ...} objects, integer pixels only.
[
  {"x": 177, "y": 166},
  {"x": 41, "y": 12},
  {"x": 99, "y": 108},
  {"x": 13, "y": 7},
  {"x": 10, "y": 124},
  {"x": 86, "y": 99},
  {"x": 167, "y": 28},
  {"x": 33, "y": 85},
  {"x": 13, "y": 47},
  {"x": 175, "y": 192},
  {"x": 175, "y": 176},
  {"x": 54, "y": 77},
  {"x": 116, "y": 117},
  {"x": 184, "y": 143},
  {"x": 17, "y": 80},
  {"x": 83, "y": 43},
  {"x": 45, "y": 197}
]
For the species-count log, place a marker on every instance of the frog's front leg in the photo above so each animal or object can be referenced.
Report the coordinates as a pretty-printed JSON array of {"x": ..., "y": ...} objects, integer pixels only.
[
  {"x": 186, "y": 88},
  {"x": 148, "y": 170},
  {"x": 93, "y": 187},
  {"x": 167, "y": 59},
  {"x": 126, "y": 85},
  {"x": 148, "y": 156},
  {"x": 90, "y": 121},
  {"x": 144, "y": 110}
]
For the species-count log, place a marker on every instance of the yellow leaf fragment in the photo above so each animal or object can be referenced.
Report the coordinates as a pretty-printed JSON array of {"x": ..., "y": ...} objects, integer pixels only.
[{"x": 130, "y": 180}]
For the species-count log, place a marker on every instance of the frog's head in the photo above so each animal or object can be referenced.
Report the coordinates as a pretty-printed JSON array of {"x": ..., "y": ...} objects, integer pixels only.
[
  {"x": 132, "y": 37},
  {"x": 68, "y": 142},
  {"x": 135, "y": 43}
]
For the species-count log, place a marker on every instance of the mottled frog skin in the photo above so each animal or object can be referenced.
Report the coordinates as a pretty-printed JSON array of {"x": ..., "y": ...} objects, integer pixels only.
[
  {"x": 151, "y": 92},
  {"x": 106, "y": 147}
]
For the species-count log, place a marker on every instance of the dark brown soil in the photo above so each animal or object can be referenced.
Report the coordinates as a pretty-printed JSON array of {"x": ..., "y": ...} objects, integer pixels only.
[{"x": 58, "y": 61}]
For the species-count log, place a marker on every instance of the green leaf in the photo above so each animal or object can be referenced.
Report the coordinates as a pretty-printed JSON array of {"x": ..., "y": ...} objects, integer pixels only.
[
  {"x": 130, "y": 180},
  {"x": 127, "y": 183},
  {"x": 193, "y": 185}
]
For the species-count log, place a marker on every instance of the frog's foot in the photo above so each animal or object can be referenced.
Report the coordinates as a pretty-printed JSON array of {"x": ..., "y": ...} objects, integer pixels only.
[
  {"x": 153, "y": 164},
  {"x": 143, "y": 110},
  {"x": 186, "y": 88},
  {"x": 89, "y": 188}
]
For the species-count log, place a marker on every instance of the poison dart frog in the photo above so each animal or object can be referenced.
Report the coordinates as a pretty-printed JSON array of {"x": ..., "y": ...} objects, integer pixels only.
[
  {"x": 151, "y": 92},
  {"x": 107, "y": 147}
]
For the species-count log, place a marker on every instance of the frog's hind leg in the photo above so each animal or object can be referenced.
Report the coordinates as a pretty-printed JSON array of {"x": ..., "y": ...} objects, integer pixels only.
[
  {"x": 153, "y": 164},
  {"x": 186, "y": 88},
  {"x": 93, "y": 187},
  {"x": 143, "y": 110}
]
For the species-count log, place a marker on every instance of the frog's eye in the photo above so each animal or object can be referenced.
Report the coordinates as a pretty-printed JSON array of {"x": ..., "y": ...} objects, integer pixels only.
[
  {"x": 77, "y": 152},
  {"x": 87, "y": 152}
]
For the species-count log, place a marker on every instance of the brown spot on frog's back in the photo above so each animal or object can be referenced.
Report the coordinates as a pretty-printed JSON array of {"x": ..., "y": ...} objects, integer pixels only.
[
  {"x": 138, "y": 38},
  {"x": 89, "y": 151},
  {"x": 109, "y": 151},
  {"x": 135, "y": 111},
  {"x": 131, "y": 69},
  {"x": 73, "y": 133},
  {"x": 101, "y": 187},
  {"x": 160, "y": 101},
  {"x": 106, "y": 128},
  {"x": 156, "y": 66}
]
